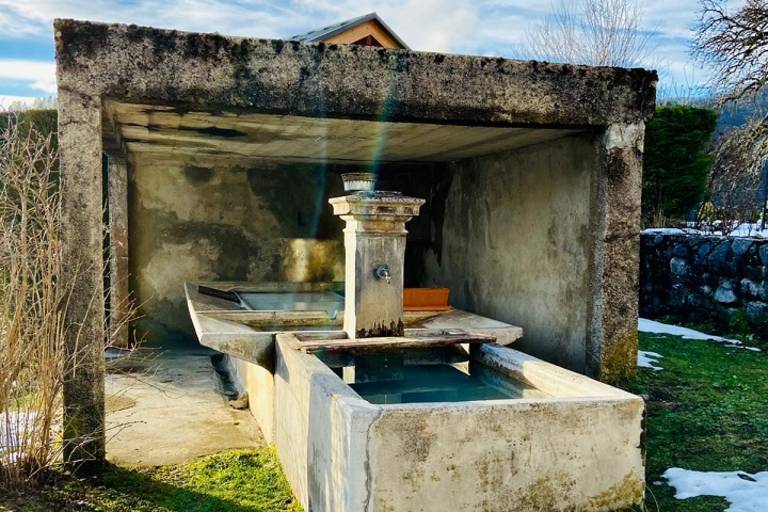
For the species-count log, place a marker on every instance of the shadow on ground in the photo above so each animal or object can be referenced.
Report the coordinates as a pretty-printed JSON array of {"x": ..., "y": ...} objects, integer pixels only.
[{"x": 236, "y": 481}]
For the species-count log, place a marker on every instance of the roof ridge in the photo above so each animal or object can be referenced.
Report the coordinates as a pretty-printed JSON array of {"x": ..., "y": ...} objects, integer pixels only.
[{"x": 330, "y": 30}]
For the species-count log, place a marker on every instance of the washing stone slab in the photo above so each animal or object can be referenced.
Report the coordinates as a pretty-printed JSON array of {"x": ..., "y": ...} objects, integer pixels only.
[{"x": 226, "y": 325}]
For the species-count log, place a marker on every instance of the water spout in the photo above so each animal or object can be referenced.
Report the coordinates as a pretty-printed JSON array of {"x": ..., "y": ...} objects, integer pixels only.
[{"x": 382, "y": 272}]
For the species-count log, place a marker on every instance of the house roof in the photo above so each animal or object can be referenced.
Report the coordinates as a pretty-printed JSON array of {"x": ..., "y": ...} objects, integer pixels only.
[{"x": 332, "y": 30}]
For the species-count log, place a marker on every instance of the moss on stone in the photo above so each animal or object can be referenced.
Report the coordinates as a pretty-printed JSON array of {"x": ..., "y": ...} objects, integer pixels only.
[{"x": 619, "y": 358}]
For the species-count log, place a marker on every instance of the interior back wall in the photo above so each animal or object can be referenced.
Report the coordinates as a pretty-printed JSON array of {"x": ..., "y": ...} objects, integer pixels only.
[{"x": 256, "y": 222}]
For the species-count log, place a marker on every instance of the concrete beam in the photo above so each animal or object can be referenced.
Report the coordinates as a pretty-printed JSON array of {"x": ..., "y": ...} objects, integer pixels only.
[
  {"x": 612, "y": 340},
  {"x": 119, "y": 294},
  {"x": 82, "y": 235},
  {"x": 209, "y": 71}
]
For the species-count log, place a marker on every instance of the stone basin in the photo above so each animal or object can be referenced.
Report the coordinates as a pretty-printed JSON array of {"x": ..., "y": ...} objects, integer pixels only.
[
  {"x": 242, "y": 319},
  {"x": 550, "y": 439}
]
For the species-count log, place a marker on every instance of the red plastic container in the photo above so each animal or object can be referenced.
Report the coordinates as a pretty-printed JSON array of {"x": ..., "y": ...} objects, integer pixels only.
[{"x": 426, "y": 299}]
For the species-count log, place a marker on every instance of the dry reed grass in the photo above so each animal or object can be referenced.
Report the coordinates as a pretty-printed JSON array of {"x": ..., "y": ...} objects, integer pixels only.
[{"x": 33, "y": 299}]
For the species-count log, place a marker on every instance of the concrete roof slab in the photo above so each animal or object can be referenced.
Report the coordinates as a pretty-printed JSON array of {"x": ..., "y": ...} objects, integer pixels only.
[{"x": 211, "y": 71}]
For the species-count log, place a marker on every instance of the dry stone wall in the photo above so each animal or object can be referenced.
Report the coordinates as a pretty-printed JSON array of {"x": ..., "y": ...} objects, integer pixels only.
[{"x": 704, "y": 278}]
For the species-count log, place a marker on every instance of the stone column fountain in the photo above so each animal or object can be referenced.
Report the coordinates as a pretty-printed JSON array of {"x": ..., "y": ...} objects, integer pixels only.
[{"x": 374, "y": 240}]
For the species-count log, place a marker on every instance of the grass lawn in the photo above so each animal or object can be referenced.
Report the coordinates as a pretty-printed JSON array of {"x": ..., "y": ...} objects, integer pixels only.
[
  {"x": 707, "y": 411},
  {"x": 235, "y": 481}
]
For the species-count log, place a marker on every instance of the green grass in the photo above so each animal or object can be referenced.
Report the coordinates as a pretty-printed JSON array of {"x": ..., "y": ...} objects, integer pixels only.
[
  {"x": 235, "y": 481},
  {"x": 707, "y": 411}
]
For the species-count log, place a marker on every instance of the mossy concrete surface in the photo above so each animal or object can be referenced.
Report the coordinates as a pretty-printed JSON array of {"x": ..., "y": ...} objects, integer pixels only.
[
  {"x": 138, "y": 64},
  {"x": 265, "y": 222}
]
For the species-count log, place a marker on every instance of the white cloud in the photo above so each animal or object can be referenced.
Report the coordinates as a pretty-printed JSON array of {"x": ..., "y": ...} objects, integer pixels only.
[
  {"x": 433, "y": 25},
  {"x": 8, "y": 101},
  {"x": 40, "y": 74}
]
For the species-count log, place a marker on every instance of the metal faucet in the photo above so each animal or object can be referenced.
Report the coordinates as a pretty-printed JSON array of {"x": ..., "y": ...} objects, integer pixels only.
[{"x": 382, "y": 272}]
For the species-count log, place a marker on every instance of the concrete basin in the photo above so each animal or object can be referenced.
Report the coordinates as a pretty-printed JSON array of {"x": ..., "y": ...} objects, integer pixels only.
[{"x": 565, "y": 442}]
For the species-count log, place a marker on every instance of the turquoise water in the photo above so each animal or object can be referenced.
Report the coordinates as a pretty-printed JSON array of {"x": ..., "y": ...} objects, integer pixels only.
[{"x": 440, "y": 383}]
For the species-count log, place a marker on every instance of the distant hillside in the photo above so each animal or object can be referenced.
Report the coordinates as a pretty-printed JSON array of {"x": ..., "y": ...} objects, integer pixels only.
[{"x": 738, "y": 114}]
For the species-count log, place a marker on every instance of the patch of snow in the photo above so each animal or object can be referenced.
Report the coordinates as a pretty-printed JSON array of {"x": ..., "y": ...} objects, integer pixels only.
[
  {"x": 671, "y": 231},
  {"x": 745, "y": 229},
  {"x": 749, "y": 230},
  {"x": 652, "y": 326},
  {"x": 13, "y": 428},
  {"x": 745, "y": 492},
  {"x": 650, "y": 360}
]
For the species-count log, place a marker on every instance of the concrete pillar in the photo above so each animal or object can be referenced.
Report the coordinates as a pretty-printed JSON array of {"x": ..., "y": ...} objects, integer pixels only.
[
  {"x": 119, "y": 300},
  {"x": 612, "y": 341},
  {"x": 374, "y": 240},
  {"x": 80, "y": 146}
]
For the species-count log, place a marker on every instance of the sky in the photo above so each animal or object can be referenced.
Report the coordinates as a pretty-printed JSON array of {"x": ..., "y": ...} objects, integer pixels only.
[{"x": 476, "y": 27}]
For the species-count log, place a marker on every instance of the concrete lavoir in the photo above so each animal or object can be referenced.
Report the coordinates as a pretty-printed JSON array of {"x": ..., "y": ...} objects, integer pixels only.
[
  {"x": 381, "y": 417},
  {"x": 530, "y": 171}
]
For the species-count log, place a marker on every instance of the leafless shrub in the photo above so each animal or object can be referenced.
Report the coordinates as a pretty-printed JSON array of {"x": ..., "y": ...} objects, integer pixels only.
[
  {"x": 734, "y": 42},
  {"x": 739, "y": 158},
  {"x": 33, "y": 300},
  {"x": 594, "y": 32},
  {"x": 737, "y": 174}
]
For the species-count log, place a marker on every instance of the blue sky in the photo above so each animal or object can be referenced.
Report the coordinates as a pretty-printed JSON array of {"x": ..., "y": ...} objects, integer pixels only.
[{"x": 482, "y": 27}]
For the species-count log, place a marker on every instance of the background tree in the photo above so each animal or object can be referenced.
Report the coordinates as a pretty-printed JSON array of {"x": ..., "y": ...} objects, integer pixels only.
[
  {"x": 738, "y": 179},
  {"x": 735, "y": 43},
  {"x": 676, "y": 164},
  {"x": 594, "y": 32}
]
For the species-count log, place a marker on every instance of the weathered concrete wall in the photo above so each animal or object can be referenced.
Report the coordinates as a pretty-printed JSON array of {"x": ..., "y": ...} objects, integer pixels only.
[
  {"x": 705, "y": 278},
  {"x": 82, "y": 233},
  {"x": 259, "y": 383},
  {"x": 318, "y": 80},
  {"x": 555, "y": 456},
  {"x": 321, "y": 433},
  {"x": 612, "y": 340},
  {"x": 515, "y": 244},
  {"x": 266, "y": 222},
  {"x": 119, "y": 290}
]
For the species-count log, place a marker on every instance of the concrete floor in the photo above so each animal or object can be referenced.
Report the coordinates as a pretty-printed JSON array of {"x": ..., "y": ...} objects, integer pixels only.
[{"x": 167, "y": 408}]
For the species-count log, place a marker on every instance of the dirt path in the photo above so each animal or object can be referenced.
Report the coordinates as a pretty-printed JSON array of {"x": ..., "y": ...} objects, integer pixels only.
[{"x": 165, "y": 408}]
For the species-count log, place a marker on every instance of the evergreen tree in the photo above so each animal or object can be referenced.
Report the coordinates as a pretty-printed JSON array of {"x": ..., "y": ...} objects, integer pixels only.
[{"x": 676, "y": 164}]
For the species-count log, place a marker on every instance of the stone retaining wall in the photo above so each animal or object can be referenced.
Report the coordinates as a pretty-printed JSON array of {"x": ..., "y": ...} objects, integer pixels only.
[{"x": 704, "y": 278}]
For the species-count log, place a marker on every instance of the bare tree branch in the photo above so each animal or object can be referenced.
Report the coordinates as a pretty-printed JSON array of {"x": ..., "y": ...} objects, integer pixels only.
[
  {"x": 594, "y": 32},
  {"x": 735, "y": 44}
]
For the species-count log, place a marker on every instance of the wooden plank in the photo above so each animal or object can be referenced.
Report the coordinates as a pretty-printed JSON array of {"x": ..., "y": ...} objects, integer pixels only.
[
  {"x": 394, "y": 342},
  {"x": 450, "y": 354}
]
